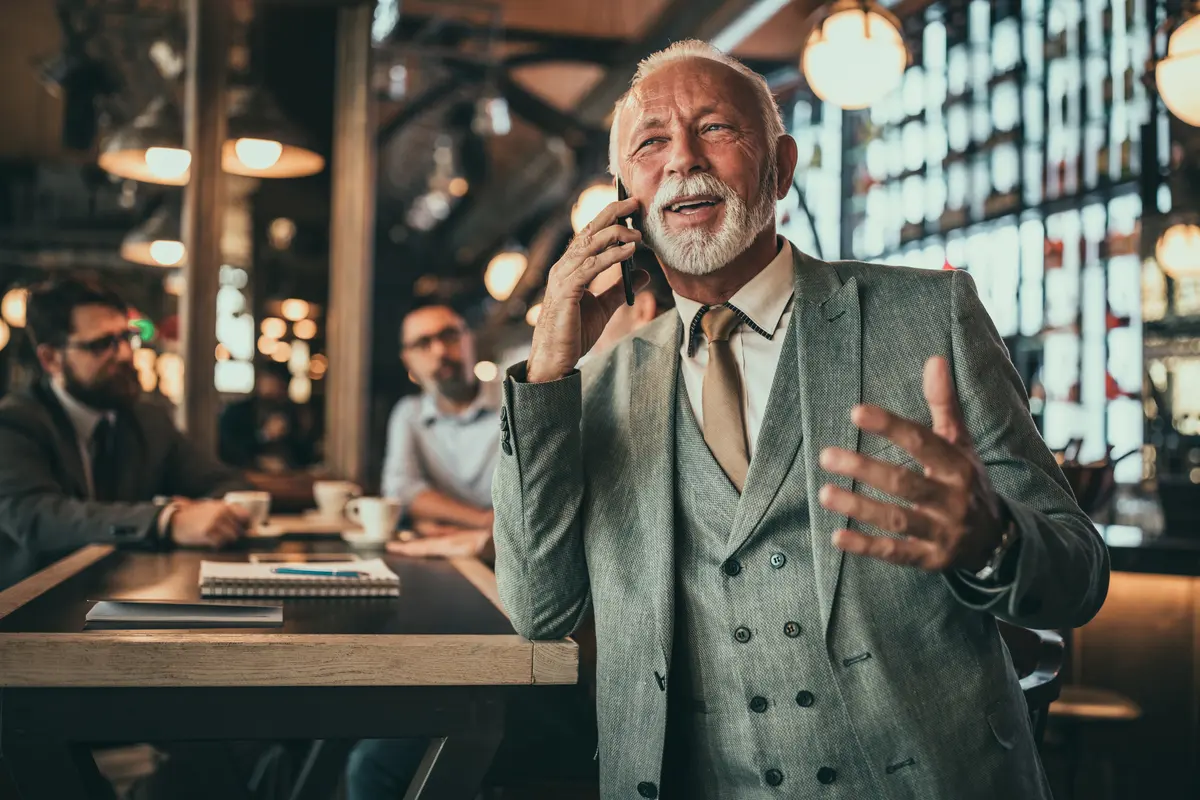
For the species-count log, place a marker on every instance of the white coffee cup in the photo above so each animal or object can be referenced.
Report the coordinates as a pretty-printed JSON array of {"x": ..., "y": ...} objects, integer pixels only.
[
  {"x": 257, "y": 504},
  {"x": 332, "y": 496},
  {"x": 377, "y": 516}
]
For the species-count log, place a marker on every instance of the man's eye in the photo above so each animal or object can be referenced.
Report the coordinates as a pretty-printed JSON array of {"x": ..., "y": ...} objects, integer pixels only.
[
  {"x": 650, "y": 142},
  {"x": 715, "y": 126}
]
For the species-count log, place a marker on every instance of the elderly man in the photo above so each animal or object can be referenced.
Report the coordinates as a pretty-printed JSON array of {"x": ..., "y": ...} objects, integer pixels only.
[{"x": 797, "y": 507}]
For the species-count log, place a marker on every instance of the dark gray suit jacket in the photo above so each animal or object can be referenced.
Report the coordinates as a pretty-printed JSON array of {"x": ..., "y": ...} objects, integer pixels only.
[{"x": 45, "y": 512}]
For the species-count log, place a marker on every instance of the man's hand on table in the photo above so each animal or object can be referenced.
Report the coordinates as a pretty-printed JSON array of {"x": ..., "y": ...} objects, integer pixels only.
[
  {"x": 464, "y": 543},
  {"x": 207, "y": 523}
]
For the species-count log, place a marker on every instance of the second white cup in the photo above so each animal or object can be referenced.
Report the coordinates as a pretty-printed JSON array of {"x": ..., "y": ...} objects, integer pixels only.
[{"x": 377, "y": 516}]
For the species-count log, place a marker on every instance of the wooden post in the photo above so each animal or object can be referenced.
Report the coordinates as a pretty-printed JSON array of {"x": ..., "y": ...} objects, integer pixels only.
[
  {"x": 351, "y": 257},
  {"x": 209, "y": 26}
]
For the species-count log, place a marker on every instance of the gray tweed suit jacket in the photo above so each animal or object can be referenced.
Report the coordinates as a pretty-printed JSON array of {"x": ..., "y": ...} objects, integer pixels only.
[{"x": 584, "y": 522}]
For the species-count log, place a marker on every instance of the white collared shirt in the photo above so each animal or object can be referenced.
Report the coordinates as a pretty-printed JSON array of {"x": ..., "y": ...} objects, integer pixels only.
[
  {"x": 766, "y": 301},
  {"x": 84, "y": 420}
]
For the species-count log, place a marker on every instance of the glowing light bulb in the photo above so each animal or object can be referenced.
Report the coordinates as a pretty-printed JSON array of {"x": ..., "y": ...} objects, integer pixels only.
[
  {"x": 293, "y": 309},
  {"x": 274, "y": 327},
  {"x": 167, "y": 253},
  {"x": 486, "y": 371},
  {"x": 591, "y": 202},
  {"x": 258, "y": 153},
  {"x": 503, "y": 273},
  {"x": 12, "y": 307},
  {"x": 305, "y": 329},
  {"x": 1177, "y": 74},
  {"x": 5, "y": 335},
  {"x": 168, "y": 163},
  {"x": 1178, "y": 251},
  {"x": 531, "y": 316}
]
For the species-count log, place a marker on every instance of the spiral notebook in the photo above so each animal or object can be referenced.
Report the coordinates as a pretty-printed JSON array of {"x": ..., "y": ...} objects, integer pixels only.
[{"x": 365, "y": 578}]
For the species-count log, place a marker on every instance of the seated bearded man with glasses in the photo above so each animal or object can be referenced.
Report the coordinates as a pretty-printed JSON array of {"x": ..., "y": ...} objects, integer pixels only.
[
  {"x": 83, "y": 459},
  {"x": 443, "y": 444}
]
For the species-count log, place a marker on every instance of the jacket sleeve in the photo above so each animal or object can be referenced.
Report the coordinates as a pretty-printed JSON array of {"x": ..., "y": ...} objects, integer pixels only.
[
  {"x": 37, "y": 513},
  {"x": 1058, "y": 575},
  {"x": 541, "y": 570}
]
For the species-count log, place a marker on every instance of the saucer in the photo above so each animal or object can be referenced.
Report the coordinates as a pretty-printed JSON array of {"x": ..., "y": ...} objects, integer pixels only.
[{"x": 359, "y": 539}]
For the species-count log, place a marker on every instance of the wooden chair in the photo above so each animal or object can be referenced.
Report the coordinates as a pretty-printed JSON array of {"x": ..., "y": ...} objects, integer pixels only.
[{"x": 1038, "y": 658}]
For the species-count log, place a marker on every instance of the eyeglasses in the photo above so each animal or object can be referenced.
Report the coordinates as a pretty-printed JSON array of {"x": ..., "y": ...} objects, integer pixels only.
[
  {"x": 104, "y": 344},
  {"x": 448, "y": 337}
]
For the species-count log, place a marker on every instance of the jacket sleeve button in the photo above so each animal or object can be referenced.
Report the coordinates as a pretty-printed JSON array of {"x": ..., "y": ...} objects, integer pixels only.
[{"x": 648, "y": 790}]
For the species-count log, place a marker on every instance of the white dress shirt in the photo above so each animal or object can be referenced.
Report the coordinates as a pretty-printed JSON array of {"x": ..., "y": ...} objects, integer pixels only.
[{"x": 766, "y": 301}]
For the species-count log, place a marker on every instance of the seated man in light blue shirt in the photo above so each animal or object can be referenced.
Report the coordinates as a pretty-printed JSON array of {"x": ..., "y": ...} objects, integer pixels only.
[{"x": 443, "y": 444}]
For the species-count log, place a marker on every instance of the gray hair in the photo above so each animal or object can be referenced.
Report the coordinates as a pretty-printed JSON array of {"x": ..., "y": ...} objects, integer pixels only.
[{"x": 695, "y": 49}]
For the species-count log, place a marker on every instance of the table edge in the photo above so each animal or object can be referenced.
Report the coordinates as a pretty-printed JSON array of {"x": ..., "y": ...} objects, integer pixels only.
[{"x": 42, "y": 581}]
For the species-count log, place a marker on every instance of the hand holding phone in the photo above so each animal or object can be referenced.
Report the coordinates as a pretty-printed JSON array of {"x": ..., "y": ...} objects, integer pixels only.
[{"x": 573, "y": 318}]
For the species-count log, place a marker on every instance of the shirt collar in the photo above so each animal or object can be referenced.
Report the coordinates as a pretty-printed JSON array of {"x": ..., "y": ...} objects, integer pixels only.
[
  {"x": 759, "y": 304},
  {"x": 84, "y": 418},
  {"x": 488, "y": 400}
]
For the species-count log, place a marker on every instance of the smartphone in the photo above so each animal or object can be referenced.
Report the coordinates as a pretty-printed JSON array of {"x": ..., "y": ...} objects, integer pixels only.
[{"x": 627, "y": 265}]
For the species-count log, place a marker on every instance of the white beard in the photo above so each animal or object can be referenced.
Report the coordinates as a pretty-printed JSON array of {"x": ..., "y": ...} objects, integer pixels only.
[{"x": 695, "y": 251}]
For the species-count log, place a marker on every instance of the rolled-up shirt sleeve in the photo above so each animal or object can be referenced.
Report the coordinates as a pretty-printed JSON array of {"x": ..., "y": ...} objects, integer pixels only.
[{"x": 403, "y": 474}]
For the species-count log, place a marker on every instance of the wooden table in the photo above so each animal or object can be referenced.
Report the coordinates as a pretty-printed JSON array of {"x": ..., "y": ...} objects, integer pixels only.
[{"x": 432, "y": 663}]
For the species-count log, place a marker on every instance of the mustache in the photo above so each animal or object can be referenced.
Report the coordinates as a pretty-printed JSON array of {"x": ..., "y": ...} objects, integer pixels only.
[{"x": 674, "y": 186}]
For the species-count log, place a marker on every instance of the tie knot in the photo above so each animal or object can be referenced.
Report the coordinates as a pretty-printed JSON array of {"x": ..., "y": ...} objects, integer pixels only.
[{"x": 718, "y": 323}]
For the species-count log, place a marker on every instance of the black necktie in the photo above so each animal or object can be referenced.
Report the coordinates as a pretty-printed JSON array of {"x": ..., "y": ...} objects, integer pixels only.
[{"x": 104, "y": 473}]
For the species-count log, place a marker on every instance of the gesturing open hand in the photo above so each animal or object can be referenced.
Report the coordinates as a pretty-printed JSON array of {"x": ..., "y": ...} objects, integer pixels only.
[{"x": 951, "y": 518}]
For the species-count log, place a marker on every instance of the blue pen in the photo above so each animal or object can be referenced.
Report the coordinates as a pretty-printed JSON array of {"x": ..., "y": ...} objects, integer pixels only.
[{"x": 322, "y": 573}]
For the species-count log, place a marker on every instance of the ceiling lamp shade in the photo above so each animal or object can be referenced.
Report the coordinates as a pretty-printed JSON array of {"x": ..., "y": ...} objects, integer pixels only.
[
  {"x": 1178, "y": 250},
  {"x": 1178, "y": 75},
  {"x": 150, "y": 148},
  {"x": 854, "y": 53},
  {"x": 156, "y": 242},
  {"x": 262, "y": 143},
  {"x": 591, "y": 202},
  {"x": 503, "y": 273}
]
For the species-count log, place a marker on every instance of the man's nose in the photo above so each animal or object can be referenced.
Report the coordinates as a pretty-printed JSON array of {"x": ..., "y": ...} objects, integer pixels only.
[{"x": 686, "y": 156}]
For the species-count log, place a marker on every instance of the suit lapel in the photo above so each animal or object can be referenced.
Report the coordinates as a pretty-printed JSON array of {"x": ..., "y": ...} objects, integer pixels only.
[
  {"x": 652, "y": 429},
  {"x": 777, "y": 444},
  {"x": 830, "y": 362}
]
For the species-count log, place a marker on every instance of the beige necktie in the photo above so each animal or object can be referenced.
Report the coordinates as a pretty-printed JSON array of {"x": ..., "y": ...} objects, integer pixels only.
[{"x": 724, "y": 426}]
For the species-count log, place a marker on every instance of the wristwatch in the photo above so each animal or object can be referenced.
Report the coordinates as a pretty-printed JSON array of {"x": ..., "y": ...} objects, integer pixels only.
[{"x": 1007, "y": 540}]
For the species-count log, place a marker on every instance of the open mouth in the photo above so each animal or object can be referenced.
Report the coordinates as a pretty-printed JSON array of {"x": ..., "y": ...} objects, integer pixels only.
[{"x": 688, "y": 206}]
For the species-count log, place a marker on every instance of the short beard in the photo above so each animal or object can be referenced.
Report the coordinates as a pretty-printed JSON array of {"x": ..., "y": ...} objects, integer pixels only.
[
  {"x": 699, "y": 252},
  {"x": 116, "y": 392},
  {"x": 458, "y": 389}
]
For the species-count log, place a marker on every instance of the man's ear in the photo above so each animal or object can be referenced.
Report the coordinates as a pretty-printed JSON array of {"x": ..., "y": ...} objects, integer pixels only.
[
  {"x": 786, "y": 156},
  {"x": 50, "y": 359}
]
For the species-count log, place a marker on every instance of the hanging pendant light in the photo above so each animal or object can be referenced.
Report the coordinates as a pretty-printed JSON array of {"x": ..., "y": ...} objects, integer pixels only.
[
  {"x": 262, "y": 143},
  {"x": 1178, "y": 75},
  {"x": 854, "y": 53},
  {"x": 156, "y": 242},
  {"x": 149, "y": 148}
]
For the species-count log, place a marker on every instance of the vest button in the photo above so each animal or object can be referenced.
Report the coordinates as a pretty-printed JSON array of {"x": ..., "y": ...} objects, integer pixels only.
[
  {"x": 791, "y": 629},
  {"x": 827, "y": 775},
  {"x": 774, "y": 777},
  {"x": 758, "y": 704},
  {"x": 742, "y": 634},
  {"x": 805, "y": 699},
  {"x": 648, "y": 790},
  {"x": 732, "y": 567},
  {"x": 778, "y": 560}
]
